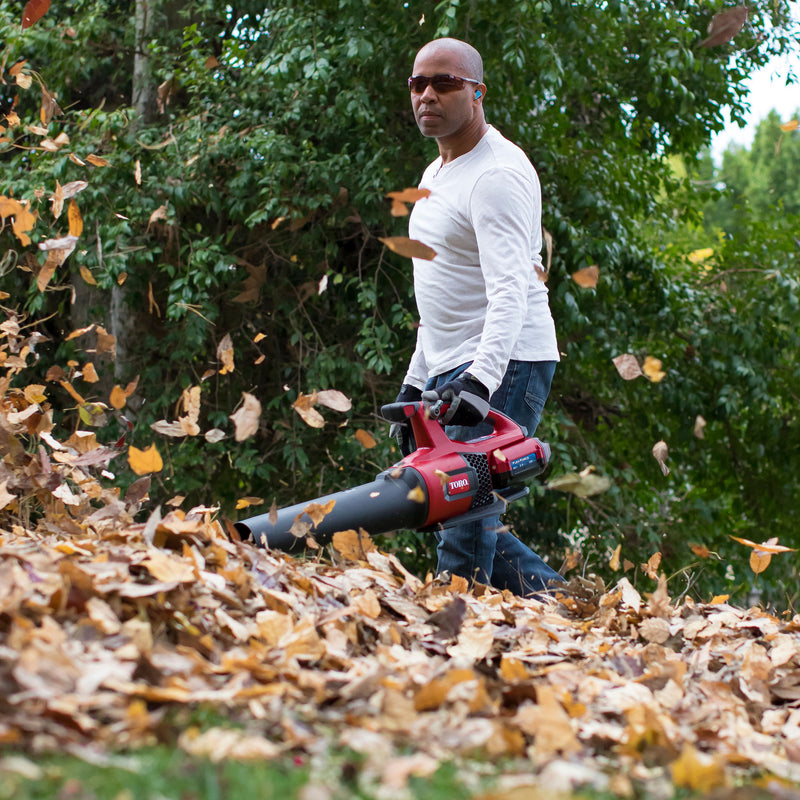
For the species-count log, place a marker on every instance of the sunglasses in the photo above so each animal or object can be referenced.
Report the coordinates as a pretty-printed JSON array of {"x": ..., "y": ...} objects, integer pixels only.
[{"x": 442, "y": 84}]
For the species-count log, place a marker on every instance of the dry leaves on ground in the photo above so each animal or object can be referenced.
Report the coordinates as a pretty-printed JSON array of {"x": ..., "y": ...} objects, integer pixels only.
[{"x": 108, "y": 624}]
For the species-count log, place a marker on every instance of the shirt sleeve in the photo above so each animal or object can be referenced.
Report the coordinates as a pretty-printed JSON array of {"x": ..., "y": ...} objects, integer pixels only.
[
  {"x": 417, "y": 374},
  {"x": 506, "y": 215}
]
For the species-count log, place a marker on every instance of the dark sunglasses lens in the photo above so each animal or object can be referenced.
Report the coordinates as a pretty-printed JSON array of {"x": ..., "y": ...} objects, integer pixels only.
[
  {"x": 445, "y": 83},
  {"x": 441, "y": 83}
]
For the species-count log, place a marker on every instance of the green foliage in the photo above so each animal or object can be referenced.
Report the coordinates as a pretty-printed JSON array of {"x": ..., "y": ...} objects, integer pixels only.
[{"x": 261, "y": 199}]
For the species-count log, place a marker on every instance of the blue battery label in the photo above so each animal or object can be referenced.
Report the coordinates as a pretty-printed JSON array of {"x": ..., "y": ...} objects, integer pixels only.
[{"x": 524, "y": 463}]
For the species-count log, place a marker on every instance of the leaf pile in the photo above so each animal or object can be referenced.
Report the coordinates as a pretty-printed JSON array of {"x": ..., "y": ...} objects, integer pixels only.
[{"x": 108, "y": 625}]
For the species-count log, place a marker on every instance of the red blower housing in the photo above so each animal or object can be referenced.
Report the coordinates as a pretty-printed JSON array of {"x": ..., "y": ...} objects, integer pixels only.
[{"x": 441, "y": 484}]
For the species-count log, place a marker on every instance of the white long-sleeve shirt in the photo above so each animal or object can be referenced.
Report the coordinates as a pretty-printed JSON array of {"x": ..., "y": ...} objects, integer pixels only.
[{"x": 480, "y": 299}]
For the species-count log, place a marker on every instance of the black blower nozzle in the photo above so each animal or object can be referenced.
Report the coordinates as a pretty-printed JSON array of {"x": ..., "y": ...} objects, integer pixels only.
[{"x": 379, "y": 507}]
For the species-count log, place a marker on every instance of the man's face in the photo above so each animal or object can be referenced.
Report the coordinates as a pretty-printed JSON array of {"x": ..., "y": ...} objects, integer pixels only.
[{"x": 442, "y": 115}]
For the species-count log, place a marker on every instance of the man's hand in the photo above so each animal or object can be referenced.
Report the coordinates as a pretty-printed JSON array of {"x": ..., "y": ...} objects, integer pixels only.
[
  {"x": 468, "y": 398},
  {"x": 402, "y": 430}
]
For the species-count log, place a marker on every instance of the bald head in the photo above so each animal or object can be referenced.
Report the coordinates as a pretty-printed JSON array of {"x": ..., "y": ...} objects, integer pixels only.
[{"x": 464, "y": 55}]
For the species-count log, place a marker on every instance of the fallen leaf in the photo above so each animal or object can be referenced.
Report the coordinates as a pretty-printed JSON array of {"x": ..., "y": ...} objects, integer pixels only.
[{"x": 352, "y": 545}]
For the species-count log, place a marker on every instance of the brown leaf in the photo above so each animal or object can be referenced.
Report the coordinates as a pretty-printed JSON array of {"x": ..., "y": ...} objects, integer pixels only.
[
  {"x": 304, "y": 406},
  {"x": 331, "y": 398},
  {"x": 660, "y": 453},
  {"x": 247, "y": 417},
  {"x": 34, "y": 11},
  {"x": 724, "y": 26},
  {"x": 450, "y": 618},
  {"x": 97, "y": 161},
  {"x": 410, "y": 248},
  {"x": 627, "y": 366},
  {"x": 225, "y": 354}
]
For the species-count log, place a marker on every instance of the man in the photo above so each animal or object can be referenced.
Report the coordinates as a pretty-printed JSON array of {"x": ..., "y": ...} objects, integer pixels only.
[{"x": 486, "y": 335}]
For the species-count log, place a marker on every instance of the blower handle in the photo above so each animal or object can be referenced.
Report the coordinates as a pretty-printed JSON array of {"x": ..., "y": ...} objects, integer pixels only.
[{"x": 429, "y": 431}]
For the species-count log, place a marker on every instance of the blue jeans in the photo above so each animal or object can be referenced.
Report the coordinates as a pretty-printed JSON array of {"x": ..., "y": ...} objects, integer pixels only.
[{"x": 482, "y": 550}]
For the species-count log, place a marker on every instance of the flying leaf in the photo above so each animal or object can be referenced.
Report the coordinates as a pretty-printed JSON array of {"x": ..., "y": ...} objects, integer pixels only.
[
  {"x": 97, "y": 161},
  {"x": 304, "y": 406},
  {"x": 23, "y": 220},
  {"x": 790, "y": 126},
  {"x": 700, "y": 550},
  {"x": 652, "y": 369},
  {"x": 75, "y": 219},
  {"x": 247, "y": 417},
  {"x": 399, "y": 200},
  {"x": 245, "y": 502},
  {"x": 144, "y": 462},
  {"x": 587, "y": 277},
  {"x": 225, "y": 354},
  {"x": 651, "y": 567},
  {"x": 698, "y": 256},
  {"x": 318, "y": 511},
  {"x": 699, "y": 427},
  {"x": 613, "y": 562},
  {"x": 34, "y": 11},
  {"x": 87, "y": 275},
  {"x": 336, "y": 400},
  {"x": 724, "y": 26},
  {"x": 660, "y": 453},
  {"x": 582, "y": 484},
  {"x": 770, "y": 546},
  {"x": 410, "y": 248},
  {"x": 365, "y": 439},
  {"x": 627, "y": 366},
  {"x": 759, "y": 561},
  {"x": 417, "y": 495}
]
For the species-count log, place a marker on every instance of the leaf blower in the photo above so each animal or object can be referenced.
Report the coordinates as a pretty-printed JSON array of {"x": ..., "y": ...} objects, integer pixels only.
[{"x": 441, "y": 484}]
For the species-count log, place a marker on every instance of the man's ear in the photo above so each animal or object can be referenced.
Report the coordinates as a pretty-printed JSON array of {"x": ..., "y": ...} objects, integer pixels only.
[{"x": 480, "y": 91}]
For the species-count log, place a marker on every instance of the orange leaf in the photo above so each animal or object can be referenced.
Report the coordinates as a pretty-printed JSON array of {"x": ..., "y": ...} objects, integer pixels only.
[
  {"x": 118, "y": 398},
  {"x": 790, "y": 126},
  {"x": 144, "y": 462},
  {"x": 652, "y": 369},
  {"x": 367, "y": 440},
  {"x": 587, "y": 277},
  {"x": 410, "y": 248},
  {"x": 97, "y": 161},
  {"x": 351, "y": 545},
  {"x": 770, "y": 546},
  {"x": 759, "y": 561},
  {"x": 700, "y": 550},
  {"x": 34, "y": 11},
  {"x": 75, "y": 219}
]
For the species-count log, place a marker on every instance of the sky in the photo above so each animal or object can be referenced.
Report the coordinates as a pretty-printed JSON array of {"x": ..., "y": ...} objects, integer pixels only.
[{"x": 768, "y": 90}]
